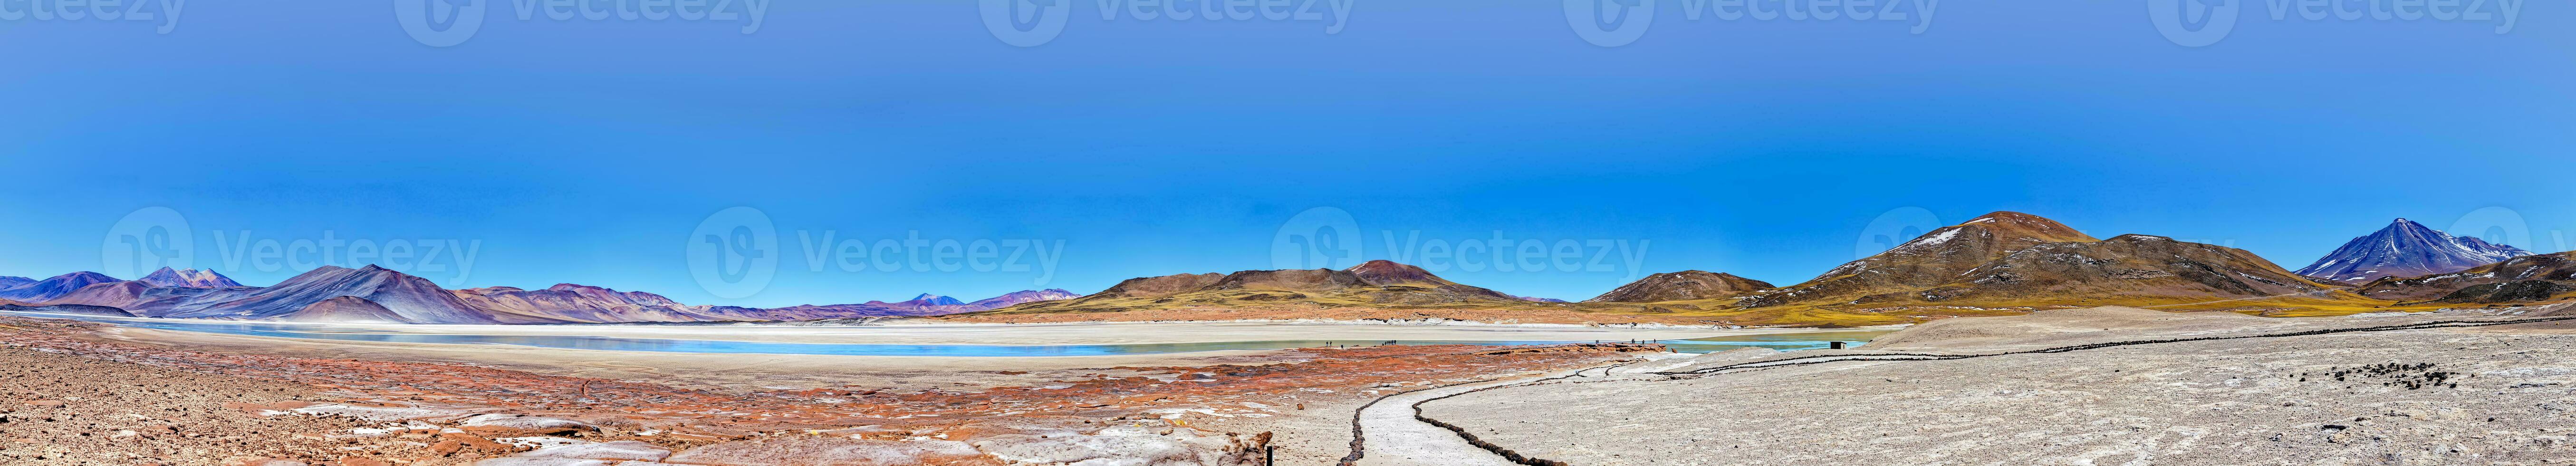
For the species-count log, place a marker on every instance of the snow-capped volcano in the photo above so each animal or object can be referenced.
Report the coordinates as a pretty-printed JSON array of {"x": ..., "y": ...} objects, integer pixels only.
[
  {"x": 190, "y": 278},
  {"x": 2407, "y": 249}
]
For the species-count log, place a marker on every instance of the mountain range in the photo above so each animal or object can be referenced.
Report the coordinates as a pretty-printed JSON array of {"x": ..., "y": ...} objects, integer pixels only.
[
  {"x": 2406, "y": 249},
  {"x": 33, "y": 291},
  {"x": 2002, "y": 262},
  {"x": 377, "y": 295},
  {"x": 2532, "y": 278}
]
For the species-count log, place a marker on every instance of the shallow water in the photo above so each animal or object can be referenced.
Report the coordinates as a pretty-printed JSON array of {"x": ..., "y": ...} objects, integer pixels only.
[{"x": 1784, "y": 342}]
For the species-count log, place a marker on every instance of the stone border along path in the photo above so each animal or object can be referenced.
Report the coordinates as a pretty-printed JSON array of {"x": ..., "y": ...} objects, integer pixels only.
[{"x": 1517, "y": 458}]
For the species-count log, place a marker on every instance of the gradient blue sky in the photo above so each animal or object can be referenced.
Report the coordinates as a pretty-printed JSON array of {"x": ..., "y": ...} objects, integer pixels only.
[{"x": 587, "y": 152}]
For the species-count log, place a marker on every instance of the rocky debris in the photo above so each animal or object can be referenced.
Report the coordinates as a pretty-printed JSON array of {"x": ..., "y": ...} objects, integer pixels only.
[
  {"x": 71, "y": 410},
  {"x": 500, "y": 425},
  {"x": 808, "y": 450},
  {"x": 1125, "y": 445},
  {"x": 625, "y": 450}
]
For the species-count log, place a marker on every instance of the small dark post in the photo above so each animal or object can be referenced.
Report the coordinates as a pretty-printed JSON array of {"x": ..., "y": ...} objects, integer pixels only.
[
  {"x": 1269, "y": 455},
  {"x": 1838, "y": 345}
]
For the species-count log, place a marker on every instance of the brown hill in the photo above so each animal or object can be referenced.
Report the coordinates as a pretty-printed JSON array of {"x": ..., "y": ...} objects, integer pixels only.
[
  {"x": 2128, "y": 269},
  {"x": 1934, "y": 259},
  {"x": 1687, "y": 285},
  {"x": 2534, "y": 278},
  {"x": 1372, "y": 284}
]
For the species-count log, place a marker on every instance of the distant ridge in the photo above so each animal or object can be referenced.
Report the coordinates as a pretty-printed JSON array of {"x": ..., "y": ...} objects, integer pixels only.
[
  {"x": 1372, "y": 283},
  {"x": 56, "y": 287},
  {"x": 377, "y": 295},
  {"x": 2526, "y": 279}
]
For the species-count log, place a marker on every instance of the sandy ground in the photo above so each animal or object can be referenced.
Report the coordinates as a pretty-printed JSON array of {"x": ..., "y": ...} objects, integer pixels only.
[
  {"x": 1074, "y": 333},
  {"x": 2345, "y": 398},
  {"x": 458, "y": 404},
  {"x": 774, "y": 371}
]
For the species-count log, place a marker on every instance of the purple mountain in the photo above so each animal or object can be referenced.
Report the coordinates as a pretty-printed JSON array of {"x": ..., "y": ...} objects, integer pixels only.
[
  {"x": 402, "y": 299},
  {"x": 191, "y": 278},
  {"x": 1017, "y": 297},
  {"x": 50, "y": 288},
  {"x": 2407, "y": 249}
]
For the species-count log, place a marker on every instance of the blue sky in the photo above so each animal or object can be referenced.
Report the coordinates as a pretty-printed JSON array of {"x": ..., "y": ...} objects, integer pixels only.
[{"x": 591, "y": 151}]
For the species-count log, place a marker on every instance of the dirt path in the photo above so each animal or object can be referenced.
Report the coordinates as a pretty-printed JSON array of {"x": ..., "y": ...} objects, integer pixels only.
[{"x": 1394, "y": 438}]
